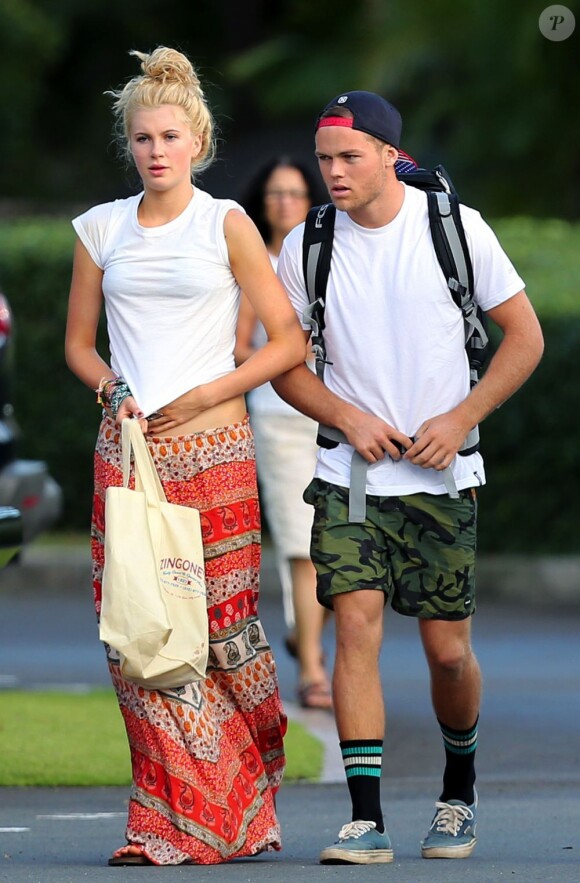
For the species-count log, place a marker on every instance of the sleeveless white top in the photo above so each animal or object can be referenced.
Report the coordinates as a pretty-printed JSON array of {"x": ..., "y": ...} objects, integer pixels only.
[{"x": 171, "y": 299}]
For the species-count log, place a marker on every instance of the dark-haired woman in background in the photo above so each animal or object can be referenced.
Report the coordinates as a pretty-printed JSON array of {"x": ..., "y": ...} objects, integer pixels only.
[{"x": 278, "y": 200}]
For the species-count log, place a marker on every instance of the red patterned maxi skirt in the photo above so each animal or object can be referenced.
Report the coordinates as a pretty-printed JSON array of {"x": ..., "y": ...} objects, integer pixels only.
[{"x": 207, "y": 758}]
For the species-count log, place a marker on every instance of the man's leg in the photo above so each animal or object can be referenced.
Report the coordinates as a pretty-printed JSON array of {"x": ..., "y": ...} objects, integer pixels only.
[
  {"x": 360, "y": 720},
  {"x": 456, "y": 696},
  {"x": 358, "y": 698},
  {"x": 353, "y": 572}
]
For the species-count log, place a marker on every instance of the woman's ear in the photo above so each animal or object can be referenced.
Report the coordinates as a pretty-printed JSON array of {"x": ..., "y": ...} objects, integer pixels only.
[{"x": 196, "y": 147}]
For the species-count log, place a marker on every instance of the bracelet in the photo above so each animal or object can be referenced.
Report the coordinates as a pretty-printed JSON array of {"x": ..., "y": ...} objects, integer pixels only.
[
  {"x": 111, "y": 392},
  {"x": 103, "y": 397},
  {"x": 120, "y": 392}
]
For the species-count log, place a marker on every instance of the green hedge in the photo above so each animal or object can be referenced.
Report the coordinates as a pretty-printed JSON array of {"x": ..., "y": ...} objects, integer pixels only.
[
  {"x": 57, "y": 414},
  {"x": 530, "y": 444}
]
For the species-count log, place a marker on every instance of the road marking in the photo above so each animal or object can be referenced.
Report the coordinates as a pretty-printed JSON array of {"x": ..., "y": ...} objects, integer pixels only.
[
  {"x": 13, "y": 830},
  {"x": 8, "y": 680}
]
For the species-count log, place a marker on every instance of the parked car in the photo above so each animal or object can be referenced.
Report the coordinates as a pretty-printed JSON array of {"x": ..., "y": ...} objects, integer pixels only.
[
  {"x": 10, "y": 534},
  {"x": 25, "y": 485}
]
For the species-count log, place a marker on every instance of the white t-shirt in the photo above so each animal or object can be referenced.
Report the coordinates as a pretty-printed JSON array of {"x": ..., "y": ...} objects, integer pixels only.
[
  {"x": 171, "y": 298},
  {"x": 394, "y": 336}
]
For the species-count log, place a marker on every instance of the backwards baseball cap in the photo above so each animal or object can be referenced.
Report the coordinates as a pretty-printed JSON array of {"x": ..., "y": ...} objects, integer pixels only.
[{"x": 370, "y": 113}]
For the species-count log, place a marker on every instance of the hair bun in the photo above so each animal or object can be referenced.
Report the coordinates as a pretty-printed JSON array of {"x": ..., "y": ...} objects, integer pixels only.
[
  {"x": 168, "y": 66},
  {"x": 168, "y": 77}
]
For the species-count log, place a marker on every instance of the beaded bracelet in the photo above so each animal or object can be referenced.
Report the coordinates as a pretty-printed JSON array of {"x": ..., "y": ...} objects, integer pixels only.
[
  {"x": 119, "y": 394},
  {"x": 103, "y": 397},
  {"x": 111, "y": 392}
]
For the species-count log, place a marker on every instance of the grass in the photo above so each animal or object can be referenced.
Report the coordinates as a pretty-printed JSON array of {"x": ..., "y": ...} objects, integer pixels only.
[
  {"x": 66, "y": 739},
  {"x": 64, "y": 538}
]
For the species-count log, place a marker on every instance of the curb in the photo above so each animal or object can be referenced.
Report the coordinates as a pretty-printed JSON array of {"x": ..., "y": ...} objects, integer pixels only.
[{"x": 540, "y": 581}]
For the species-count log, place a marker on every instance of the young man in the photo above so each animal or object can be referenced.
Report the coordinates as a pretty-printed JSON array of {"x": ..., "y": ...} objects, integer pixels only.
[{"x": 397, "y": 380}]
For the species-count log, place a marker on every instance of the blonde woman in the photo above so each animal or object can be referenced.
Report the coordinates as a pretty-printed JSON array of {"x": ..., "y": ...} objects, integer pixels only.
[{"x": 168, "y": 265}]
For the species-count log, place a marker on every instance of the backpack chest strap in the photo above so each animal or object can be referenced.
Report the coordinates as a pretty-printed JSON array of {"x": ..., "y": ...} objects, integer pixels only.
[{"x": 357, "y": 497}]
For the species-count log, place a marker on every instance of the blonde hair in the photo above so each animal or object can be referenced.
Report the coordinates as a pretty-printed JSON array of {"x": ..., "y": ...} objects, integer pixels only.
[{"x": 168, "y": 78}]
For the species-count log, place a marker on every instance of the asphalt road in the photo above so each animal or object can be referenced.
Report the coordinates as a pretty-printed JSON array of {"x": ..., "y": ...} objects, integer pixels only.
[{"x": 528, "y": 759}]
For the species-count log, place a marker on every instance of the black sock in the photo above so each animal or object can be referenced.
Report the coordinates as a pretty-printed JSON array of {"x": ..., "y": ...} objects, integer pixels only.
[
  {"x": 362, "y": 763},
  {"x": 459, "y": 775}
]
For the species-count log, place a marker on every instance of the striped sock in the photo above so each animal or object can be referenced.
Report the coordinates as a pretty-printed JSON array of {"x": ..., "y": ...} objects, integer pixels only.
[
  {"x": 362, "y": 764},
  {"x": 459, "y": 775}
]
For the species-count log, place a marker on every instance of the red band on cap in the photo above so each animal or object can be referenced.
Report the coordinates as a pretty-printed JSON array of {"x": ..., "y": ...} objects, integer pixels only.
[{"x": 335, "y": 121}]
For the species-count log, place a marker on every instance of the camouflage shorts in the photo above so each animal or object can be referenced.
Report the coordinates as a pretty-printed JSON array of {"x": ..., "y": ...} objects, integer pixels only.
[{"x": 418, "y": 549}]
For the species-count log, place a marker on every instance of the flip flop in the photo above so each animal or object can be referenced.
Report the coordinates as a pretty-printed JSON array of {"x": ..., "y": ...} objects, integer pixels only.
[
  {"x": 315, "y": 696},
  {"x": 121, "y": 861}
]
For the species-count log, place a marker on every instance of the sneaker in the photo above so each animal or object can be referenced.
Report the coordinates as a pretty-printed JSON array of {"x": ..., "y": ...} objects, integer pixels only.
[
  {"x": 452, "y": 831},
  {"x": 358, "y": 843}
]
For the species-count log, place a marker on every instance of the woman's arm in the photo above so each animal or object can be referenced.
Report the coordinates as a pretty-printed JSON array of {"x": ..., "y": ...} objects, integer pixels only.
[
  {"x": 255, "y": 275},
  {"x": 245, "y": 331},
  {"x": 84, "y": 309},
  {"x": 285, "y": 348}
]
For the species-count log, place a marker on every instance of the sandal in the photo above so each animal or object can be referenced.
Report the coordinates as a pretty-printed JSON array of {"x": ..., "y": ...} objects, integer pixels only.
[
  {"x": 122, "y": 859},
  {"x": 315, "y": 696},
  {"x": 135, "y": 858}
]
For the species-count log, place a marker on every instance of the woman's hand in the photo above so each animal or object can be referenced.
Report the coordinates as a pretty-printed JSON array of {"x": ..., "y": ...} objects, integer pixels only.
[
  {"x": 177, "y": 412},
  {"x": 129, "y": 409}
]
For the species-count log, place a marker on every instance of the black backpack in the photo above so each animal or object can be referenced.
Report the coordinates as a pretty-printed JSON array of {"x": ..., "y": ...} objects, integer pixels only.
[
  {"x": 450, "y": 247},
  {"x": 454, "y": 259}
]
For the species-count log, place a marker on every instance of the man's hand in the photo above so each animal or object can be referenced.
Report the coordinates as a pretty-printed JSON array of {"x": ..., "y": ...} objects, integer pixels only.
[
  {"x": 373, "y": 438},
  {"x": 437, "y": 441}
]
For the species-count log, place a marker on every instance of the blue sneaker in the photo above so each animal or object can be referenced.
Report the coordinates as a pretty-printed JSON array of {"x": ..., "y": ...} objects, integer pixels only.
[
  {"x": 452, "y": 831},
  {"x": 359, "y": 843}
]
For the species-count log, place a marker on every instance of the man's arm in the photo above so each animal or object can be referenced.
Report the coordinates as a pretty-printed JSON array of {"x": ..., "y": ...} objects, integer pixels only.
[
  {"x": 521, "y": 348},
  {"x": 370, "y": 435}
]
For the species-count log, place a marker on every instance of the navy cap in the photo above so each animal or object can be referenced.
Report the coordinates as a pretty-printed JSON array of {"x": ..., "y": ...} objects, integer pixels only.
[{"x": 371, "y": 114}]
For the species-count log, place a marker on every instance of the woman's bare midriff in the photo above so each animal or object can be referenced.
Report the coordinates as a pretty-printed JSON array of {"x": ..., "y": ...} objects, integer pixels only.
[{"x": 224, "y": 414}]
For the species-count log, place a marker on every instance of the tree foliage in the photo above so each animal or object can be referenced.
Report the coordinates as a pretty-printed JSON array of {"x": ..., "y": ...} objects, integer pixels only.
[
  {"x": 478, "y": 85},
  {"x": 480, "y": 88}
]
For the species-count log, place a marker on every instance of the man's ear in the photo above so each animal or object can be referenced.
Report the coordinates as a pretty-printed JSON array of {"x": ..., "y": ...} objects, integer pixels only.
[{"x": 391, "y": 155}]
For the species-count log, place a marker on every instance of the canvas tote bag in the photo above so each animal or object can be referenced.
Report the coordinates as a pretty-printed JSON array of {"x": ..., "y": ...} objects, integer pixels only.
[{"x": 154, "y": 610}]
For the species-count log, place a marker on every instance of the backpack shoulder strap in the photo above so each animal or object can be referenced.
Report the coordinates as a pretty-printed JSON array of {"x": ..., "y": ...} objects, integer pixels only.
[
  {"x": 316, "y": 257},
  {"x": 450, "y": 243},
  {"x": 317, "y": 249},
  {"x": 452, "y": 252}
]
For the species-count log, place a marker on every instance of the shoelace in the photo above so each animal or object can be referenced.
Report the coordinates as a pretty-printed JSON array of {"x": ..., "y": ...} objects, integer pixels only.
[
  {"x": 450, "y": 818},
  {"x": 355, "y": 829}
]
